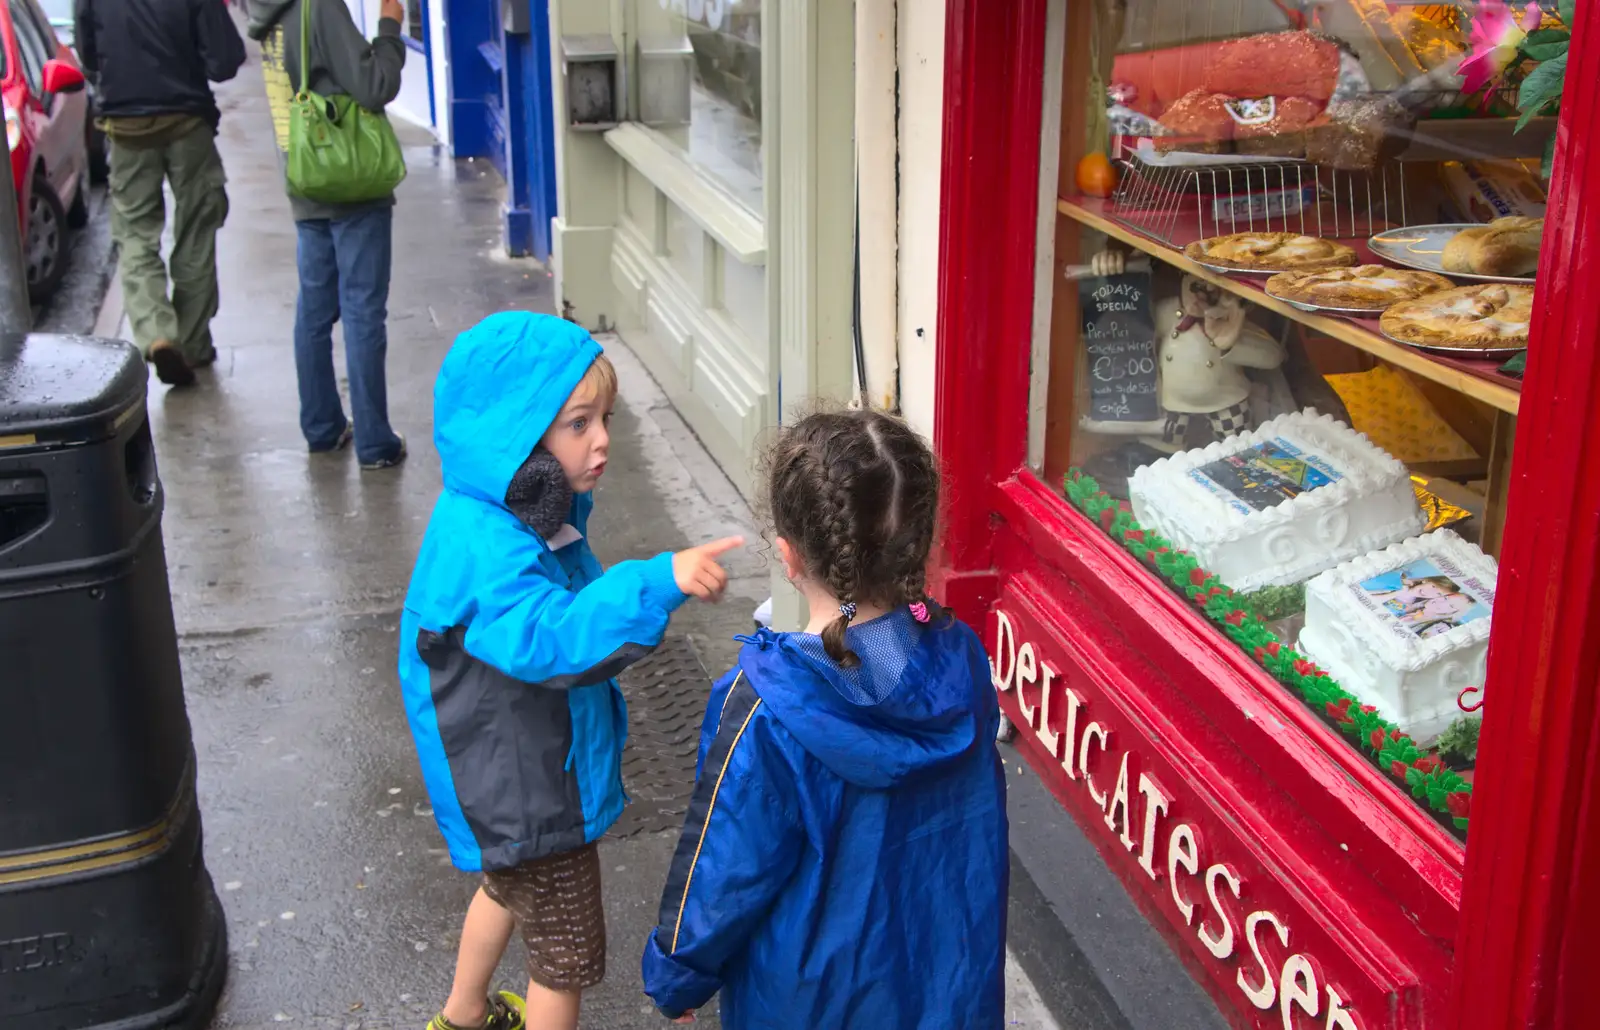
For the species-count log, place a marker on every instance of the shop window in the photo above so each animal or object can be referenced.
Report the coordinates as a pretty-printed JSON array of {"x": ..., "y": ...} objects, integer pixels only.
[
  {"x": 1295, "y": 248},
  {"x": 34, "y": 48},
  {"x": 698, "y": 85},
  {"x": 417, "y": 22}
]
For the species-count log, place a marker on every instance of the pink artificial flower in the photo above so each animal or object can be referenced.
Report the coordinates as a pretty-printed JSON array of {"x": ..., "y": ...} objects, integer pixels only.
[{"x": 1495, "y": 37}]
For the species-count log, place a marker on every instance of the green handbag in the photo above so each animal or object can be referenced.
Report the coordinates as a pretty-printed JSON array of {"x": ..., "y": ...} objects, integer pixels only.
[{"x": 339, "y": 152}]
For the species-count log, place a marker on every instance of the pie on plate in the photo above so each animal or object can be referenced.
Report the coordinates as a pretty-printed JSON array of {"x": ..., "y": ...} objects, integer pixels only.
[
  {"x": 1467, "y": 318},
  {"x": 1361, "y": 288},
  {"x": 1507, "y": 247},
  {"x": 1270, "y": 251}
]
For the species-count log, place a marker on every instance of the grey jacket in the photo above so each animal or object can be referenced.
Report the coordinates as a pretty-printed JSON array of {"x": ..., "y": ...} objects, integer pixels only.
[{"x": 342, "y": 61}]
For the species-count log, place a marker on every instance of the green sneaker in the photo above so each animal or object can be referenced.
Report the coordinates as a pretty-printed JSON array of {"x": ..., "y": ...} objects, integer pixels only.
[{"x": 505, "y": 1013}]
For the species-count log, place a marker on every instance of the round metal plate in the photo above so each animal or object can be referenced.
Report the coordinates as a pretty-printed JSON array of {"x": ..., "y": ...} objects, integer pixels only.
[
  {"x": 1319, "y": 309},
  {"x": 1422, "y": 247},
  {"x": 1249, "y": 273},
  {"x": 1456, "y": 352}
]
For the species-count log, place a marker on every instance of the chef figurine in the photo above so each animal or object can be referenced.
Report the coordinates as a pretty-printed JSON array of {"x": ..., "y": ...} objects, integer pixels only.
[{"x": 1206, "y": 345}]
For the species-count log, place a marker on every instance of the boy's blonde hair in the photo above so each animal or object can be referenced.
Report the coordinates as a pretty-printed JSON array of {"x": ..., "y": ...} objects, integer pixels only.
[{"x": 601, "y": 378}]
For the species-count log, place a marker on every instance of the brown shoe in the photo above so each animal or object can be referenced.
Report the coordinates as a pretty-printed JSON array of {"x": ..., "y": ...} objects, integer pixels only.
[{"x": 171, "y": 368}]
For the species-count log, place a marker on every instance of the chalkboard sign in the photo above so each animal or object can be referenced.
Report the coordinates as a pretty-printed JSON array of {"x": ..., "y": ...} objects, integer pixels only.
[{"x": 1120, "y": 335}]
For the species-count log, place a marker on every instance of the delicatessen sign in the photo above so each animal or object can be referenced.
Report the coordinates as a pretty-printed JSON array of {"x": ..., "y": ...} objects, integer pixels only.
[{"x": 1266, "y": 953}]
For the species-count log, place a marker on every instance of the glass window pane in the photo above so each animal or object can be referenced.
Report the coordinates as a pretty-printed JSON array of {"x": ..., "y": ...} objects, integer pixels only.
[
  {"x": 699, "y": 85},
  {"x": 417, "y": 20},
  {"x": 32, "y": 47},
  {"x": 1271, "y": 207}
]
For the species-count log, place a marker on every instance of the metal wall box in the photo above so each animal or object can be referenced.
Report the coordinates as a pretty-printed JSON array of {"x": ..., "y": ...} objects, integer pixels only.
[
  {"x": 593, "y": 77},
  {"x": 666, "y": 72}
]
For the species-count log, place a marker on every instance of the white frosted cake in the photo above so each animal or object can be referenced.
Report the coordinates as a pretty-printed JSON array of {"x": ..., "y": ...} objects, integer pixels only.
[
  {"x": 1280, "y": 504},
  {"x": 1405, "y": 629}
]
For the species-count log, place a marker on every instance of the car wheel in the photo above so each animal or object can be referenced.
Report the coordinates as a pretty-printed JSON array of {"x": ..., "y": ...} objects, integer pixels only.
[
  {"x": 99, "y": 155},
  {"x": 44, "y": 242}
]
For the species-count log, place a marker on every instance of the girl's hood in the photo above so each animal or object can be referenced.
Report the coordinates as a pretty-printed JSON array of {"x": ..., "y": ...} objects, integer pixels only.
[{"x": 920, "y": 700}]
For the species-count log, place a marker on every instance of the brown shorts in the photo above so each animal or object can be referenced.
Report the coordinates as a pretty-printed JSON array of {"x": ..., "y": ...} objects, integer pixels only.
[{"x": 556, "y": 902}]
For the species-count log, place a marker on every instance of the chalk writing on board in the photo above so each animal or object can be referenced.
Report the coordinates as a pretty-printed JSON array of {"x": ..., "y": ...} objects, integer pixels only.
[{"x": 1120, "y": 338}]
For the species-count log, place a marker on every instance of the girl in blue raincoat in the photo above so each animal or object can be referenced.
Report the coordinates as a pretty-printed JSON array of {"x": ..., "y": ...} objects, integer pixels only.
[{"x": 844, "y": 860}]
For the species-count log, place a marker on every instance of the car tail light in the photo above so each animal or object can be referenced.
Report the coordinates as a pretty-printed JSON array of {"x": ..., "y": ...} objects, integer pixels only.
[{"x": 13, "y": 129}]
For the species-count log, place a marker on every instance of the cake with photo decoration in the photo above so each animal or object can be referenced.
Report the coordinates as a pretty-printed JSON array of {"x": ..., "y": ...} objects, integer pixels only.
[
  {"x": 1405, "y": 629},
  {"x": 1281, "y": 503}
]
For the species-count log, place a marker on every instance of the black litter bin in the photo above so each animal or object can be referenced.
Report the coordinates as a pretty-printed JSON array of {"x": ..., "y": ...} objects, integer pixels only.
[{"x": 107, "y": 914}]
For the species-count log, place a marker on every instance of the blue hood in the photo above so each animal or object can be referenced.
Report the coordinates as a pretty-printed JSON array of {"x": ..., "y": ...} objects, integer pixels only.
[
  {"x": 843, "y": 861},
  {"x": 919, "y": 701},
  {"x": 502, "y": 384}
]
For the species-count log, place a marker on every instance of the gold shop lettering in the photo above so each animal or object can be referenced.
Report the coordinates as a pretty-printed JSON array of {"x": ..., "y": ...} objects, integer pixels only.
[{"x": 1086, "y": 752}]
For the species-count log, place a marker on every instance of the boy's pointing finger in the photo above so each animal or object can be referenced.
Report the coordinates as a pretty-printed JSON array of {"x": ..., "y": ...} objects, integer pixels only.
[{"x": 719, "y": 547}]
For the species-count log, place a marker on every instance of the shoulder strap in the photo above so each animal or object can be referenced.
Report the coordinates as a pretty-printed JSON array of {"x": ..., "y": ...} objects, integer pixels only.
[{"x": 305, "y": 44}]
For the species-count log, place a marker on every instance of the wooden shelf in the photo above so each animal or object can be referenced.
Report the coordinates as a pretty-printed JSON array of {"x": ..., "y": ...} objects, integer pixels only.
[{"x": 1089, "y": 212}]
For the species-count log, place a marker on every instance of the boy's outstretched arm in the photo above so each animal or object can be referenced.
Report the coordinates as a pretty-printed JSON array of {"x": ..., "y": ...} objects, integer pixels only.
[
  {"x": 537, "y": 631},
  {"x": 741, "y": 842}
]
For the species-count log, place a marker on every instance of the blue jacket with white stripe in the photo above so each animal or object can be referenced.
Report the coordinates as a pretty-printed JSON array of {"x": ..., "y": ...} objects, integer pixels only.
[
  {"x": 508, "y": 646},
  {"x": 844, "y": 860}
]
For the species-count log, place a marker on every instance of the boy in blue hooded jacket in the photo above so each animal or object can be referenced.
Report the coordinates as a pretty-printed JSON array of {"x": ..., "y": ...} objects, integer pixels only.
[
  {"x": 508, "y": 644},
  {"x": 843, "y": 863}
]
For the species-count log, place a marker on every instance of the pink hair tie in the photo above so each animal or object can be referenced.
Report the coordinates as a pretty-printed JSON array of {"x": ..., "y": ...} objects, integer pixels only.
[{"x": 919, "y": 611}]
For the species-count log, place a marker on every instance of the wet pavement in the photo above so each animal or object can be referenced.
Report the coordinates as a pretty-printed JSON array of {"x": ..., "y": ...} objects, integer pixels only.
[
  {"x": 288, "y": 572},
  {"x": 91, "y": 260}
]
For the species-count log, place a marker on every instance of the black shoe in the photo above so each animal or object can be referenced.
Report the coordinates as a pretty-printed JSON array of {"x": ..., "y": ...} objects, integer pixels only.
[
  {"x": 390, "y": 462},
  {"x": 340, "y": 444},
  {"x": 171, "y": 368}
]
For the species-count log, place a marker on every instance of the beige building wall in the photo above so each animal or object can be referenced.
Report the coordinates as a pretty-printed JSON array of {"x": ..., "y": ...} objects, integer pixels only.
[
  {"x": 722, "y": 261},
  {"x": 737, "y": 292}
]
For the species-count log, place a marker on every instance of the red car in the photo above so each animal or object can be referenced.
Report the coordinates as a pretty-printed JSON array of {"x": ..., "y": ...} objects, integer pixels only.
[{"x": 46, "y": 112}]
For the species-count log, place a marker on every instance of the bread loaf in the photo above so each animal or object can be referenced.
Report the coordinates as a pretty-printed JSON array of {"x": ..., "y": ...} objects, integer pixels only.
[
  {"x": 1357, "y": 135},
  {"x": 1283, "y": 64},
  {"x": 1273, "y": 126},
  {"x": 1504, "y": 247},
  {"x": 1197, "y": 117}
]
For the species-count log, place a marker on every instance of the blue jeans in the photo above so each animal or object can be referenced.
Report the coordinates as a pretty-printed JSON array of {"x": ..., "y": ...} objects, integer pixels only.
[{"x": 344, "y": 276}]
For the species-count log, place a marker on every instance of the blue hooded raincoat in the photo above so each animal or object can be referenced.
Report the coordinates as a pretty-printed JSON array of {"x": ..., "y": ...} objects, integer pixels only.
[
  {"x": 844, "y": 860},
  {"x": 508, "y": 646}
]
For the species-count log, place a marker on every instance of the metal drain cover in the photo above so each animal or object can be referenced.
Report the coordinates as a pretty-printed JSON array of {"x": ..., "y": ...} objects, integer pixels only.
[{"x": 666, "y": 695}]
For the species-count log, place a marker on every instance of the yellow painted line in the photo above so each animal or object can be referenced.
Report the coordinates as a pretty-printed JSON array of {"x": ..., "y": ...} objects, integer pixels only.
[
  {"x": 705, "y": 828},
  {"x": 61, "y": 856},
  {"x": 127, "y": 416},
  {"x": 86, "y": 866},
  {"x": 107, "y": 853}
]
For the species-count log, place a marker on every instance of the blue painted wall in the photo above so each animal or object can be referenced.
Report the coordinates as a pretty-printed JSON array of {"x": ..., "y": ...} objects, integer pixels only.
[
  {"x": 500, "y": 110},
  {"x": 473, "y": 27}
]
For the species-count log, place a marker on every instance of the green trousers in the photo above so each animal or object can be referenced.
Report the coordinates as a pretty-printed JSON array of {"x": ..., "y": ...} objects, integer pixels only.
[{"x": 139, "y": 169}]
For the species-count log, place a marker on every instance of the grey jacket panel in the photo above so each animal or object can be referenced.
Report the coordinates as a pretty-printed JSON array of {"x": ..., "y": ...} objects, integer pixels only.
[{"x": 509, "y": 746}]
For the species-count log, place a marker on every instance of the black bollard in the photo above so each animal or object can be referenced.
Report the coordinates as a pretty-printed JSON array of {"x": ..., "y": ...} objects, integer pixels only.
[{"x": 107, "y": 914}]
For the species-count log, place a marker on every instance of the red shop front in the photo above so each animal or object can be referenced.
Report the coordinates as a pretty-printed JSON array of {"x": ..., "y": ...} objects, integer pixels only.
[{"x": 1313, "y": 863}]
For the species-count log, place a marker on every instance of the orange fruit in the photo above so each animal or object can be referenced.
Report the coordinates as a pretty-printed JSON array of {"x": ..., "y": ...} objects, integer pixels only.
[{"x": 1097, "y": 176}]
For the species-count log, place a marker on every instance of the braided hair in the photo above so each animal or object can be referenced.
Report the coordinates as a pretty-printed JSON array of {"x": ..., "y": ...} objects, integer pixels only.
[{"x": 856, "y": 494}]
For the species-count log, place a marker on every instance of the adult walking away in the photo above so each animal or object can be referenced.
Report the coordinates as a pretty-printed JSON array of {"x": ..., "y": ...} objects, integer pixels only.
[
  {"x": 345, "y": 250},
  {"x": 155, "y": 60}
]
